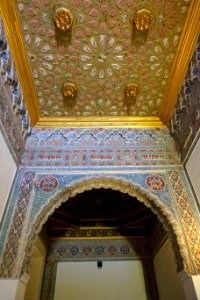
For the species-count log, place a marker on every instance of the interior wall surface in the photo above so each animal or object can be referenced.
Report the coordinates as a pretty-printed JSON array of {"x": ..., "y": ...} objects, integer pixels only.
[
  {"x": 193, "y": 169},
  {"x": 33, "y": 287},
  {"x": 58, "y": 164},
  {"x": 98, "y": 249},
  {"x": 115, "y": 281},
  {"x": 37, "y": 193},
  {"x": 8, "y": 289},
  {"x": 7, "y": 173},
  {"x": 14, "y": 116},
  {"x": 168, "y": 282},
  {"x": 185, "y": 121},
  {"x": 13, "y": 289}
]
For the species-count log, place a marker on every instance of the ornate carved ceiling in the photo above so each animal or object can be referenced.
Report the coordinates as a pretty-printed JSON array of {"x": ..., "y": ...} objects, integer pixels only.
[
  {"x": 103, "y": 55},
  {"x": 104, "y": 212}
]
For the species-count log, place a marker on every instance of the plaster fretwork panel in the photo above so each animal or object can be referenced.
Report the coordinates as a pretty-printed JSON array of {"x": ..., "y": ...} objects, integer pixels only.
[
  {"x": 14, "y": 117},
  {"x": 100, "y": 147},
  {"x": 101, "y": 53},
  {"x": 185, "y": 121},
  {"x": 32, "y": 202}
]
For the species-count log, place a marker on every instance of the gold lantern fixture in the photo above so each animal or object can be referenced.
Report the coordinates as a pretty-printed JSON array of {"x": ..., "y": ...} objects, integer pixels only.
[
  {"x": 130, "y": 92},
  {"x": 143, "y": 20},
  {"x": 69, "y": 92},
  {"x": 63, "y": 19}
]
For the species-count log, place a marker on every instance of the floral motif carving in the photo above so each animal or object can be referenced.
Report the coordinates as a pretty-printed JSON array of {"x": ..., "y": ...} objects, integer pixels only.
[
  {"x": 69, "y": 188},
  {"x": 101, "y": 55},
  {"x": 185, "y": 121},
  {"x": 100, "y": 147},
  {"x": 12, "y": 244},
  {"x": 48, "y": 184},
  {"x": 14, "y": 115},
  {"x": 155, "y": 183}
]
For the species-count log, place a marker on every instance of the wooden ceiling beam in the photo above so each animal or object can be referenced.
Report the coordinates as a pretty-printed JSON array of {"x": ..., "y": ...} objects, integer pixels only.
[{"x": 140, "y": 219}]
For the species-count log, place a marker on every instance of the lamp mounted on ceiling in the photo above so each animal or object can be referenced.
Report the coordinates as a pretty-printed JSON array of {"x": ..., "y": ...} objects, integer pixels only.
[
  {"x": 63, "y": 20},
  {"x": 99, "y": 264},
  {"x": 143, "y": 20},
  {"x": 69, "y": 93},
  {"x": 130, "y": 92}
]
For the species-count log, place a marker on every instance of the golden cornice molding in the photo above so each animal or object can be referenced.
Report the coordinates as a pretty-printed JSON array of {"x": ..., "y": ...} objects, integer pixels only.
[
  {"x": 15, "y": 38},
  {"x": 186, "y": 46},
  {"x": 95, "y": 122},
  {"x": 188, "y": 40}
]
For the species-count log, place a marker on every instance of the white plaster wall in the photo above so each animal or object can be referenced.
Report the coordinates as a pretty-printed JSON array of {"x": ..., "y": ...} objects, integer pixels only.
[
  {"x": 7, "y": 172},
  {"x": 168, "y": 282},
  {"x": 13, "y": 289},
  {"x": 191, "y": 285},
  {"x": 117, "y": 280},
  {"x": 36, "y": 272},
  {"x": 196, "y": 283},
  {"x": 193, "y": 169},
  {"x": 8, "y": 289}
]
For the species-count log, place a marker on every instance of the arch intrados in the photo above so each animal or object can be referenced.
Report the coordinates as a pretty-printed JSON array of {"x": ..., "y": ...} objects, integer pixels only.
[{"x": 145, "y": 196}]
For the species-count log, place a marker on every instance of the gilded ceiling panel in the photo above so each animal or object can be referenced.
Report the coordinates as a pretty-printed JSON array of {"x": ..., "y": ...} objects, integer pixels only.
[{"x": 101, "y": 54}]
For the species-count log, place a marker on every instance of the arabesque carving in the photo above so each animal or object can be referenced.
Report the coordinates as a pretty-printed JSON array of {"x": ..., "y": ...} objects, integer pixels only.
[{"x": 151, "y": 201}]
